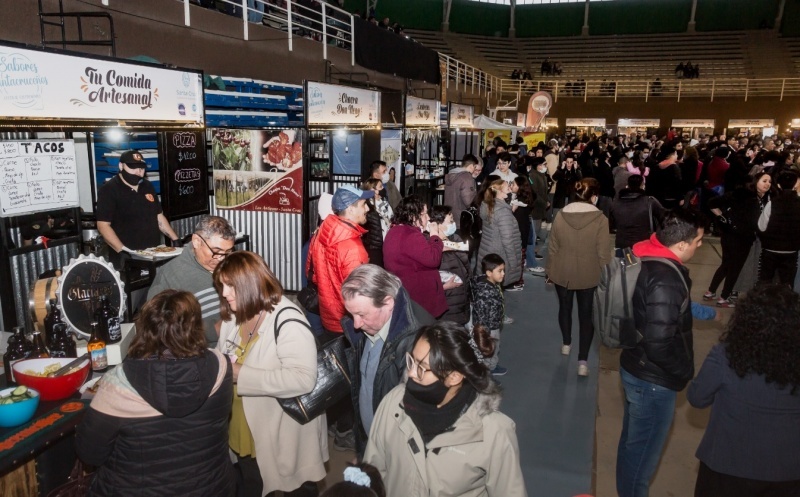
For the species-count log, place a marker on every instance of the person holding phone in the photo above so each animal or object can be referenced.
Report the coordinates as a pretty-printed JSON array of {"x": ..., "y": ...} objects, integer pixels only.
[{"x": 565, "y": 177}]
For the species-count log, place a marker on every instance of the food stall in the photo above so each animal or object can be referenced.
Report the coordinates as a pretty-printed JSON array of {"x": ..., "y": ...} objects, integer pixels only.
[
  {"x": 693, "y": 128},
  {"x": 462, "y": 136},
  {"x": 422, "y": 134},
  {"x": 54, "y": 104},
  {"x": 586, "y": 126},
  {"x": 747, "y": 127},
  {"x": 631, "y": 126},
  {"x": 344, "y": 133}
]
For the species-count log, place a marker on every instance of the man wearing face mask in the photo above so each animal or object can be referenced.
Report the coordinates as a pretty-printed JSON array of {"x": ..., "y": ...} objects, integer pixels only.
[
  {"x": 390, "y": 192},
  {"x": 129, "y": 214},
  {"x": 380, "y": 327}
]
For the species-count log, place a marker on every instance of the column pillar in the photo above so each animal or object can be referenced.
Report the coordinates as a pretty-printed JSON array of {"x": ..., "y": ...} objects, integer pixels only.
[
  {"x": 512, "y": 30},
  {"x": 690, "y": 28},
  {"x": 585, "y": 28}
]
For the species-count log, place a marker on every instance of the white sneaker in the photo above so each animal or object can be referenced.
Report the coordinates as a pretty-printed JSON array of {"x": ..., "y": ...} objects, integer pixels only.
[
  {"x": 565, "y": 349},
  {"x": 537, "y": 270},
  {"x": 583, "y": 370}
]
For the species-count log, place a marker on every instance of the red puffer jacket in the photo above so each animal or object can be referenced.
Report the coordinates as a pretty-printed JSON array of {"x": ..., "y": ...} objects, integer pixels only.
[{"x": 335, "y": 251}]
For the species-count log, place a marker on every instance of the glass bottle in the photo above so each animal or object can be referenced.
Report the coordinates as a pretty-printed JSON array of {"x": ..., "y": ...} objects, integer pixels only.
[
  {"x": 39, "y": 348},
  {"x": 62, "y": 344},
  {"x": 97, "y": 350},
  {"x": 107, "y": 318},
  {"x": 53, "y": 317},
  {"x": 19, "y": 348}
]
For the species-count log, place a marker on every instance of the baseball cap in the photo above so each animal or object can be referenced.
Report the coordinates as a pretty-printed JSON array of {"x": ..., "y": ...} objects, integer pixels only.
[
  {"x": 348, "y": 195},
  {"x": 133, "y": 159}
]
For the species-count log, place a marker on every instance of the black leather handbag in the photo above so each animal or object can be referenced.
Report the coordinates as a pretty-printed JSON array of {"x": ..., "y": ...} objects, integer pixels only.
[
  {"x": 309, "y": 296},
  {"x": 333, "y": 378}
]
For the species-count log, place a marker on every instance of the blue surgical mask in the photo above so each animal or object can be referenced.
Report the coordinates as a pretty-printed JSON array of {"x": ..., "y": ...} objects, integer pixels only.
[{"x": 451, "y": 229}]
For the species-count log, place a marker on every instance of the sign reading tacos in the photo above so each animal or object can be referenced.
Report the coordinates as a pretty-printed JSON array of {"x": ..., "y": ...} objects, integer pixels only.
[
  {"x": 46, "y": 85},
  {"x": 421, "y": 112},
  {"x": 333, "y": 104}
]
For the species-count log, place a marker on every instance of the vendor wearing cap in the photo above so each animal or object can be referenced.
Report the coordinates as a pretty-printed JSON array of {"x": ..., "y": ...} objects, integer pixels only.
[
  {"x": 129, "y": 215},
  {"x": 336, "y": 250}
]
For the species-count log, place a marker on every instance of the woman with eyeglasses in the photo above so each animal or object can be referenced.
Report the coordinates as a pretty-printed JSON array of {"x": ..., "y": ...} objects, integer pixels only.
[
  {"x": 159, "y": 422},
  {"x": 440, "y": 433},
  {"x": 273, "y": 451}
]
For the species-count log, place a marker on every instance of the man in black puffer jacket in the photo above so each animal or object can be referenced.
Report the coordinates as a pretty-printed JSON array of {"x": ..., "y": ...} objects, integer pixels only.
[
  {"x": 662, "y": 363},
  {"x": 634, "y": 214}
]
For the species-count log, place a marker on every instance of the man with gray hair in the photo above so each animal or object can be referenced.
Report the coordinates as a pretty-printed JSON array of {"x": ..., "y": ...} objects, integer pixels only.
[
  {"x": 212, "y": 241},
  {"x": 381, "y": 331}
]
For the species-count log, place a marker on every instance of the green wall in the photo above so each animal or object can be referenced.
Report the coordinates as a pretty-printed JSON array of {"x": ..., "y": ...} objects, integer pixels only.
[
  {"x": 734, "y": 15},
  {"x": 414, "y": 14},
  {"x": 638, "y": 17},
  {"x": 564, "y": 19},
  {"x": 479, "y": 18}
]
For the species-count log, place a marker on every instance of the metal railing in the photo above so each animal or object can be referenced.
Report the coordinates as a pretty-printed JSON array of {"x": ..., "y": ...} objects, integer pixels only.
[{"x": 514, "y": 90}]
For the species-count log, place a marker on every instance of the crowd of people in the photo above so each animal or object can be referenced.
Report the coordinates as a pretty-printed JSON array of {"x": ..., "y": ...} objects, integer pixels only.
[
  {"x": 418, "y": 292},
  {"x": 687, "y": 70}
]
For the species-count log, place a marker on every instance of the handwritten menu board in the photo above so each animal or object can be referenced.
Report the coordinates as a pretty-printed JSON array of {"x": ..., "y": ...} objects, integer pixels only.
[
  {"x": 184, "y": 174},
  {"x": 37, "y": 176}
]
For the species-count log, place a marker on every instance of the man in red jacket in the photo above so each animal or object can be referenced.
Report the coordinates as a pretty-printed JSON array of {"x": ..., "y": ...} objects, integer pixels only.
[{"x": 335, "y": 251}]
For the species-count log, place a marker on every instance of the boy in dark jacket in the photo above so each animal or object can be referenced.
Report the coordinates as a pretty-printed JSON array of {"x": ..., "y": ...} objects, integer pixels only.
[{"x": 488, "y": 305}]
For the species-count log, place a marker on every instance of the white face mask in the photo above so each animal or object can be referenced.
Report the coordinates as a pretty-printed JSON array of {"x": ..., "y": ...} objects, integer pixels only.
[
  {"x": 385, "y": 178},
  {"x": 542, "y": 169},
  {"x": 450, "y": 230},
  {"x": 645, "y": 155},
  {"x": 629, "y": 154}
]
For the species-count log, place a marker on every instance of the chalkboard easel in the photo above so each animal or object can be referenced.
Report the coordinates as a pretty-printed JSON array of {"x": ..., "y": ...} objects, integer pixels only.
[{"x": 184, "y": 173}]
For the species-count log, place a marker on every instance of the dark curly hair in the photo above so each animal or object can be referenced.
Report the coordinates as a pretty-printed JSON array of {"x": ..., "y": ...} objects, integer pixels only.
[
  {"x": 409, "y": 210},
  {"x": 762, "y": 336}
]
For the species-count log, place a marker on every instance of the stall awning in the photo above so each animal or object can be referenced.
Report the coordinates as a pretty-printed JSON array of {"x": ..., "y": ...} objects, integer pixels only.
[
  {"x": 422, "y": 112},
  {"x": 586, "y": 121},
  {"x": 692, "y": 123},
  {"x": 332, "y": 105},
  {"x": 49, "y": 88},
  {"x": 638, "y": 123},
  {"x": 751, "y": 123},
  {"x": 484, "y": 122}
]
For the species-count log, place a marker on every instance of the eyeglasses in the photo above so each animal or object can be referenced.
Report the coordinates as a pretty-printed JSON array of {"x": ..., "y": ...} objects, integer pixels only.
[
  {"x": 216, "y": 253},
  {"x": 412, "y": 365}
]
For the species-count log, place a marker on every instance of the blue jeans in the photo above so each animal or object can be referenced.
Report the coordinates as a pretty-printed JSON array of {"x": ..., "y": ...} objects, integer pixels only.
[
  {"x": 530, "y": 250},
  {"x": 649, "y": 409}
]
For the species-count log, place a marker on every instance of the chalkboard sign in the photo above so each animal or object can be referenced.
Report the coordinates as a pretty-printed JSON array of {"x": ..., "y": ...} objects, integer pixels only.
[
  {"x": 184, "y": 174},
  {"x": 37, "y": 176}
]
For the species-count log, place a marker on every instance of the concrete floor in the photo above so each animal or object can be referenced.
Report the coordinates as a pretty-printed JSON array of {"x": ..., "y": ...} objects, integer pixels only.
[{"x": 678, "y": 469}]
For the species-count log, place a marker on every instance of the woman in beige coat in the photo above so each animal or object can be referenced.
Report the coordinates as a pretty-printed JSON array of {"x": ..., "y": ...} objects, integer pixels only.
[
  {"x": 272, "y": 451},
  {"x": 579, "y": 246}
]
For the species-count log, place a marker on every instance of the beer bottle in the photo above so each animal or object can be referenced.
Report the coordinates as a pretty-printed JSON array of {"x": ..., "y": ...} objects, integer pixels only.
[
  {"x": 39, "y": 348},
  {"x": 62, "y": 344},
  {"x": 53, "y": 317},
  {"x": 97, "y": 350},
  {"x": 107, "y": 318},
  {"x": 19, "y": 348}
]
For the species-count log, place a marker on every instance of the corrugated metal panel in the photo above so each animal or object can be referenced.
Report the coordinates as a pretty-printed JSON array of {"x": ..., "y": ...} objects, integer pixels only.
[
  {"x": 346, "y": 179},
  {"x": 14, "y": 135},
  {"x": 274, "y": 236},
  {"x": 316, "y": 188},
  {"x": 185, "y": 226},
  {"x": 26, "y": 268}
]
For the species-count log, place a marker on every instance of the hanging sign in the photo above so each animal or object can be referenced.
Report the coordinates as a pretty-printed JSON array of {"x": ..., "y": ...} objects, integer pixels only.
[
  {"x": 587, "y": 122},
  {"x": 692, "y": 123},
  {"x": 751, "y": 123},
  {"x": 550, "y": 122},
  {"x": 45, "y": 85},
  {"x": 37, "y": 175},
  {"x": 334, "y": 104},
  {"x": 538, "y": 107},
  {"x": 460, "y": 116},
  {"x": 422, "y": 112},
  {"x": 638, "y": 123}
]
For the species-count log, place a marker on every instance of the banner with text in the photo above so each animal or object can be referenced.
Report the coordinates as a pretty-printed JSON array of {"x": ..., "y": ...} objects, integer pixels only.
[
  {"x": 258, "y": 170},
  {"x": 45, "y": 85},
  {"x": 751, "y": 123},
  {"x": 638, "y": 123},
  {"x": 422, "y": 112},
  {"x": 692, "y": 123},
  {"x": 461, "y": 116},
  {"x": 334, "y": 104}
]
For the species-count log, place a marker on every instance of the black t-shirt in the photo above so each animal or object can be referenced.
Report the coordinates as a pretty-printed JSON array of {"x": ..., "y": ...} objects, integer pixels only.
[{"x": 132, "y": 214}]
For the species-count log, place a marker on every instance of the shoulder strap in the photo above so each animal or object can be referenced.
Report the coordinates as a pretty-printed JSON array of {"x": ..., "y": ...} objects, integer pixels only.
[
  {"x": 278, "y": 326},
  {"x": 668, "y": 262}
]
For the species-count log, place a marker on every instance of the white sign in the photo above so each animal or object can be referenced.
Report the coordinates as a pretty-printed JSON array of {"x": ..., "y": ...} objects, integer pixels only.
[
  {"x": 638, "y": 123},
  {"x": 37, "y": 175},
  {"x": 43, "y": 85},
  {"x": 751, "y": 123},
  {"x": 421, "y": 112},
  {"x": 461, "y": 116},
  {"x": 550, "y": 122},
  {"x": 587, "y": 122},
  {"x": 692, "y": 123},
  {"x": 334, "y": 104}
]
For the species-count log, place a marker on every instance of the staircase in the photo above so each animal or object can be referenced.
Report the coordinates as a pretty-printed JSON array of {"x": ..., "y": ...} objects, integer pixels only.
[{"x": 767, "y": 55}]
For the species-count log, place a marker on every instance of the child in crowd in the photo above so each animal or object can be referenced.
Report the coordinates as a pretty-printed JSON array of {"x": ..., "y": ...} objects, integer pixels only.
[
  {"x": 363, "y": 480},
  {"x": 488, "y": 305}
]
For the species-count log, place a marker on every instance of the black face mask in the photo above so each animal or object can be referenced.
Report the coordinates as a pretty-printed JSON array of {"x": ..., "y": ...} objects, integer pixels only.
[
  {"x": 130, "y": 178},
  {"x": 383, "y": 193},
  {"x": 432, "y": 394}
]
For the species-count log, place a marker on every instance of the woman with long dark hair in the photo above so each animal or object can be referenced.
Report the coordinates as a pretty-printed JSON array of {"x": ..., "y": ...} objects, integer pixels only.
[
  {"x": 379, "y": 220},
  {"x": 752, "y": 384},
  {"x": 159, "y": 422},
  {"x": 522, "y": 206},
  {"x": 579, "y": 247},
  {"x": 445, "y": 416},
  {"x": 500, "y": 230}
]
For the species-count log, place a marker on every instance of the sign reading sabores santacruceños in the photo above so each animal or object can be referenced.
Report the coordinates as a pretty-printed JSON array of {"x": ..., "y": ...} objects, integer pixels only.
[
  {"x": 334, "y": 104},
  {"x": 44, "y": 85},
  {"x": 422, "y": 112}
]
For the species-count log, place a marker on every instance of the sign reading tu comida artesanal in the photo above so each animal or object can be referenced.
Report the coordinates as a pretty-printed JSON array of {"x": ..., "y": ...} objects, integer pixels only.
[
  {"x": 334, "y": 104},
  {"x": 45, "y": 85}
]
